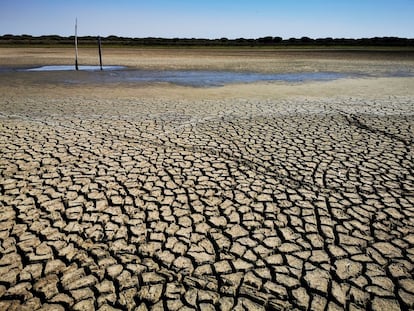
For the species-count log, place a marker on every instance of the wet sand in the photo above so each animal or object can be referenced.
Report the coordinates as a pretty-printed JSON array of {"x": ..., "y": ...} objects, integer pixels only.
[{"x": 263, "y": 196}]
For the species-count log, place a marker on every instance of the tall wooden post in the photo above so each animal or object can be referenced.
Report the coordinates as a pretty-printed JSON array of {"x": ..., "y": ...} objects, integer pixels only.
[
  {"x": 100, "y": 52},
  {"x": 76, "y": 44}
]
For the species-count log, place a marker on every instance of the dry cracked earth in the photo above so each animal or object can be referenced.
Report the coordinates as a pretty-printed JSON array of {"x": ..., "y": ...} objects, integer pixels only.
[{"x": 135, "y": 204}]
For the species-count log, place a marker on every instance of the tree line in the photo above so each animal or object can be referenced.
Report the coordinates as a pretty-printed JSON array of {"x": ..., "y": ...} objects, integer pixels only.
[{"x": 240, "y": 42}]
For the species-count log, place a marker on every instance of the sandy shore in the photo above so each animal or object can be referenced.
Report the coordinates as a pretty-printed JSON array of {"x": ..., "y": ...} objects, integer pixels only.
[{"x": 265, "y": 196}]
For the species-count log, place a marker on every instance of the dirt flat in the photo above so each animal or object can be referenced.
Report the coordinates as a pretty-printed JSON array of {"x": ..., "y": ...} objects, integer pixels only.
[
  {"x": 257, "y": 60},
  {"x": 262, "y": 196}
]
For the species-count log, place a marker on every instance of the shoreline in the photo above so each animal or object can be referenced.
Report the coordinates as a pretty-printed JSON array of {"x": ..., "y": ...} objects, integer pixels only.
[
  {"x": 232, "y": 60},
  {"x": 368, "y": 87}
]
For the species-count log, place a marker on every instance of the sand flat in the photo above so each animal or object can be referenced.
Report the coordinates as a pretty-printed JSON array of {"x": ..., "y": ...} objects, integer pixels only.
[{"x": 256, "y": 196}]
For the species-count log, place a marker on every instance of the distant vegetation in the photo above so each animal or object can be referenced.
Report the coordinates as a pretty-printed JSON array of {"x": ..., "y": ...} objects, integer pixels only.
[{"x": 55, "y": 40}]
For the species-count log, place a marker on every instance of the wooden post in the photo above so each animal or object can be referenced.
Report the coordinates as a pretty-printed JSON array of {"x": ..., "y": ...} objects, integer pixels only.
[
  {"x": 100, "y": 52},
  {"x": 76, "y": 44}
]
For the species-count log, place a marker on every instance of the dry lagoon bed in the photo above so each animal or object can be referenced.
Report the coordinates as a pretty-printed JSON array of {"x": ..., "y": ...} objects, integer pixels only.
[{"x": 244, "y": 197}]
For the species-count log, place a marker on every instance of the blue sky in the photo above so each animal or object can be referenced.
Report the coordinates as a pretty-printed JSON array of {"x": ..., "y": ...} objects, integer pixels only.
[{"x": 210, "y": 18}]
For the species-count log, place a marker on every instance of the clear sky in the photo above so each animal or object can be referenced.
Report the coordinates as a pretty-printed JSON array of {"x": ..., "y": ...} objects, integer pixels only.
[{"x": 210, "y": 18}]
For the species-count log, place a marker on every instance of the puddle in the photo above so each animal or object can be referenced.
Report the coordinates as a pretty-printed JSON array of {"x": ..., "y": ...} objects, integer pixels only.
[
  {"x": 217, "y": 78},
  {"x": 72, "y": 68},
  {"x": 197, "y": 78}
]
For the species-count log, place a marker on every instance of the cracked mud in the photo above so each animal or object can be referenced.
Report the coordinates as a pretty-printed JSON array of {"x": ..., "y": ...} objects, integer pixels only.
[{"x": 210, "y": 205}]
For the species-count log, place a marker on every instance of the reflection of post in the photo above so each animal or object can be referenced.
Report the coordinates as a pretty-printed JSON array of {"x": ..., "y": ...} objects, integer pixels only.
[
  {"x": 76, "y": 45},
  {"x": 100, "y": 52}
]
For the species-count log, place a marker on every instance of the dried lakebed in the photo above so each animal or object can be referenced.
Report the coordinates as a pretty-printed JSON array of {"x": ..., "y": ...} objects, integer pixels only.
[{"x": 138, "y": 204}]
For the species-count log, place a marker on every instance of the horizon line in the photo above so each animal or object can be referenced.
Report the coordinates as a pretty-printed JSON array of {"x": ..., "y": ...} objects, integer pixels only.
[{"x": 207, "y": 38}]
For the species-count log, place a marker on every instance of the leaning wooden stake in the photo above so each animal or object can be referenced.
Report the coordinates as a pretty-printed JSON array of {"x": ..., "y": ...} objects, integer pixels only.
[
  {"x": 76, "y": 45},
  {"x": 100, "y": 52}
]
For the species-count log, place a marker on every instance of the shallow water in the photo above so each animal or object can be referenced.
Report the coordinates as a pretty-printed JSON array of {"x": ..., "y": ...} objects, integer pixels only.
[
  {"x": 198, "y": 78},
  {"x": 72, "y": 68},
  {"x": 216, "y": 78}
]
